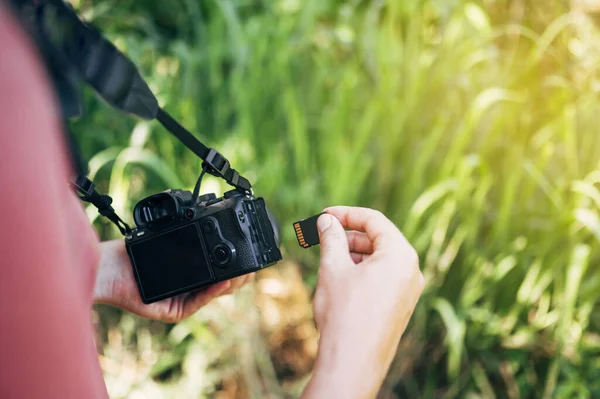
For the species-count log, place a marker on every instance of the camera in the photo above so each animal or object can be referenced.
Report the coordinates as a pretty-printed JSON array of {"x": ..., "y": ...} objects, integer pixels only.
[{"x": 181, "y": 243}]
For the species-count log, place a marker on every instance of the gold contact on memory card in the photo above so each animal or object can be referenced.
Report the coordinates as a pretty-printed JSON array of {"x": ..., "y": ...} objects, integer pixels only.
[
  {"x": 299, "y": 235},
  {"x": 306, "y": 231}
]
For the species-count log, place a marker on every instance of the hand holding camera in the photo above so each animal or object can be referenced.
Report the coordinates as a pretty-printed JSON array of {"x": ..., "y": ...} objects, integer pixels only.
[{"x": 115, "y": 285}]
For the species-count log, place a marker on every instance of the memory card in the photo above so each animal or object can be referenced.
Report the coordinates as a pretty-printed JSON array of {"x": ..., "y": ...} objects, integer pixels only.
[{"x": 306, "y": 231}]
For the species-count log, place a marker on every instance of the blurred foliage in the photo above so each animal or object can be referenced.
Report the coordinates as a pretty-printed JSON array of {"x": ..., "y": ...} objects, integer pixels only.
[{"x": 474, "y": 125}]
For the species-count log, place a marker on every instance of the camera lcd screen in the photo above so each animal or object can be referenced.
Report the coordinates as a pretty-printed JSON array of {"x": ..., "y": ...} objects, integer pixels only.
[{"x": 172, "y": 261}]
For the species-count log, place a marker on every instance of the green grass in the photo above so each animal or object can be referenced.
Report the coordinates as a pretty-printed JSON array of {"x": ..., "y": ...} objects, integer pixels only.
[{"x": 478, "y": 136}]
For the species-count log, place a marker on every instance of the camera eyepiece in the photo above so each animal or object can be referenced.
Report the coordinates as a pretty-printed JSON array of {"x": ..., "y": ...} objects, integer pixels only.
[{"x": 157, "y": 209}]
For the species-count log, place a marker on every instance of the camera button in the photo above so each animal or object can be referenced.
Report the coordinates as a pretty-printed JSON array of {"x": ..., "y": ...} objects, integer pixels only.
[
  {"x": 189, "y": 213},
  {"x": 221, "y": 255}
]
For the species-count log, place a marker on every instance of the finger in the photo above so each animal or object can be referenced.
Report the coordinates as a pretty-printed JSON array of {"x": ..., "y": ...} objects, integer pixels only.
[
  {"x": 379, "y": 229},
  {"x": 200, "y": 298},
  {"x": 237, "y": 283},
  {"x": 359, "y": 258},
  {"x": 359, "y": 242},
  {"x": 356, "y": 258},
  {"x": 334, "y": 242},
  {"x": 245, "y": 279}
]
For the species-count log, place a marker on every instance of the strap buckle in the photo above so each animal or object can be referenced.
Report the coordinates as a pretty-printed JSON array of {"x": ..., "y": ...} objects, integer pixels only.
[
  {"x": 218, "y": 165},
  {"x": 214, "y": 162},
  {"x": 86, "y": 188},
  {"x": 84, "y": 185}
]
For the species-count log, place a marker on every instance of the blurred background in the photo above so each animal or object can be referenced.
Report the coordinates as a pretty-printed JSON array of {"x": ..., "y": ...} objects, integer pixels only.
[{"x": 474, "y": 125}]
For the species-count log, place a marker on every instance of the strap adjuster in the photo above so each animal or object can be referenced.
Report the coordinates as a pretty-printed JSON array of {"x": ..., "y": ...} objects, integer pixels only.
[
  {"x": 84, "y": 185},
  {"x": 86, "y": 189},
  {"x": 214, "y": 162},
  {"x": 217, "y": 163},
  {"x": 235, "y": 178}
]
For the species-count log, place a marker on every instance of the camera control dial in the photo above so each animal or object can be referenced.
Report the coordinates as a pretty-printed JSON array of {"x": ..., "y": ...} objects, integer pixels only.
[{"x": 221, "y": 255}]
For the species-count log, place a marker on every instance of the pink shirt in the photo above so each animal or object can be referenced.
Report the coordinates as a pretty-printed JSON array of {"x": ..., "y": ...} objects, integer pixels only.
[{"x": 48, "y": 250}]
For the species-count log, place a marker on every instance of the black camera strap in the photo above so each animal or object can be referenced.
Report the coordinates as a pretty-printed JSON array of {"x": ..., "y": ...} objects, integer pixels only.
[
  {"x": 87, "y": 192},
  {"x": 117, "y": 80},
  {"x": 214, "y": 163}
]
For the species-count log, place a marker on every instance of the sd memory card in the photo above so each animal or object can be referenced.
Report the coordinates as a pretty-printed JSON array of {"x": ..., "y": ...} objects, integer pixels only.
[{"x": 306, "y": 231}]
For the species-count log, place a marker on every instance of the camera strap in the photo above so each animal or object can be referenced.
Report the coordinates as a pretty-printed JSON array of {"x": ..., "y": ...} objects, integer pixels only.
[
  {"x": 117, "y": 80},
  {"x": 87, "y": 192},
  {"x": 214, "y": 162}
]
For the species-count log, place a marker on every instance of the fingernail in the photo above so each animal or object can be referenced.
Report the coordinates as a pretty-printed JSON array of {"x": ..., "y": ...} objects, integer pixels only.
[{"x": 323, "y": 223}]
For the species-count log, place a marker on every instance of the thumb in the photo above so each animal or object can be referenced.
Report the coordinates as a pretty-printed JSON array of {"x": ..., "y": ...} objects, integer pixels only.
[{"x": 334, "y": 242}]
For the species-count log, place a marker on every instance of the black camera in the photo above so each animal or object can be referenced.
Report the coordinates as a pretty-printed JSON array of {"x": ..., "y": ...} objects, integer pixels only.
[{"x": 182, "y": 244}]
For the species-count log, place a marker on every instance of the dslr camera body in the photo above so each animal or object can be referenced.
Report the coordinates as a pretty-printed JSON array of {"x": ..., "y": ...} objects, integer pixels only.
[{"x": 179, "y": 246}]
